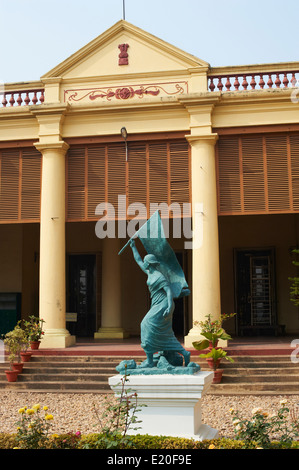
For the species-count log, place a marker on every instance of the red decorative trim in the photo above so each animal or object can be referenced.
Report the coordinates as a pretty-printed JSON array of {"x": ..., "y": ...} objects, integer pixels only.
[
  {"x": 126, "y": 92},
  {"x": 123, "y": 56}
]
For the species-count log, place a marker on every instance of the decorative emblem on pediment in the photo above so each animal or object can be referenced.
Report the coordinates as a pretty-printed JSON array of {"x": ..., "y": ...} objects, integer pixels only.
[
  {"x": 123, "y": 58},
  {"x": 125, "y": 92}
]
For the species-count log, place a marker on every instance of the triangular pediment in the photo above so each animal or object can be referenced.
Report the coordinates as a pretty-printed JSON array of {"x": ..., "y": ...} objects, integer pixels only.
[{"x": 147, "y": 54}]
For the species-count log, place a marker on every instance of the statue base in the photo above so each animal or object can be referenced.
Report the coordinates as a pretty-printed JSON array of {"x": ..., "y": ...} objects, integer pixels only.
[{"x": 170, "y": 404}]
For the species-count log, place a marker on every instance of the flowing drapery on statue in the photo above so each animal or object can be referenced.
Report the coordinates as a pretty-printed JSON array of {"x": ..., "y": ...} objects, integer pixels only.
[
  {"x": 152, "y": 236},
  {"x": 166, "y": 281}
]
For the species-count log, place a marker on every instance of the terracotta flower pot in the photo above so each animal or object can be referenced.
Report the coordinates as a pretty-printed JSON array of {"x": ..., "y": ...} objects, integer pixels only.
[
  {"x": 210, "y": 362},
  {"x": 217, "y": 376},
  {"x": 211, "y": 345},
  {"x": 34, "y": 344},
  {"x": 18, "y": 366},
  {"x": 11, "y": 375},
  {"x": 26, "y": 356}
]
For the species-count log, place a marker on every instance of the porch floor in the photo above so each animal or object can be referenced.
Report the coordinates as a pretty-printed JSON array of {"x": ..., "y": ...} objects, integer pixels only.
[{"x": 239, "y": 346}]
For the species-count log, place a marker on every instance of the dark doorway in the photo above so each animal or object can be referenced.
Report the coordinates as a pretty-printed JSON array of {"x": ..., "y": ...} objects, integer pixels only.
[
  {"x": 255, "y": 292},
  {"x": 82, "y": 294},
  {"x": 178, "y": 321}
]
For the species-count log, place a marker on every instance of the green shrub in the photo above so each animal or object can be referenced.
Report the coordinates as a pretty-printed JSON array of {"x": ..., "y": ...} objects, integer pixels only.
[{"x": 99, "y": 441}]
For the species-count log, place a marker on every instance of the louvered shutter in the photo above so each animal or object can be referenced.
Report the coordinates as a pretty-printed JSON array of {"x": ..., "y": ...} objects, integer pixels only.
[
  {"x": 253, "y": 174},
  {"x": 277, "y": 173},
  {"x": 116, "y": 175},
  {"x": 179, "y": 173},
  {"x": 76, "y": 184},
  {"x": 294, "y": 162},
  {"x": 96, "y": 178},
  {"x": 10, "y": 184},
  {"x": 138, "y": 174},
  {"x": 31, "y": 185},
  {"x": 158, "y": 173},
  {"x": 258, "y": 174},
  {"x": 229, "y": 173}
]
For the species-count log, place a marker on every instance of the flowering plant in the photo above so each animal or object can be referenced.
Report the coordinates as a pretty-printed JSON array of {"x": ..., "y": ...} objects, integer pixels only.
[
  {"x": 33, "y": 428},
  {"x": 34, "y": 328},
  {"x": 259, "y": 430},
  {"x": 212, "y": 330}
]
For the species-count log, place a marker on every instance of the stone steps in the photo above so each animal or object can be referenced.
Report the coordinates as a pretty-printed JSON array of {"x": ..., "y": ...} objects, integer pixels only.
[{"x": 247, "y": 375}]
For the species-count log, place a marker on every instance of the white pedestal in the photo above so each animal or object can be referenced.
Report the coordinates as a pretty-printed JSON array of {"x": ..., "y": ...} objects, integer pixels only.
[{"x": 173, "y": 404}]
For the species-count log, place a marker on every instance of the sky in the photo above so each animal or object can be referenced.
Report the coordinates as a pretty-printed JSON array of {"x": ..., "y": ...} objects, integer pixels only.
[{"x": 36, "y": 35}]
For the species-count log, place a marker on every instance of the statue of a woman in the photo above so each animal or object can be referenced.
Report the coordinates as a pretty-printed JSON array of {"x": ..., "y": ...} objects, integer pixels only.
[{"x": 156, "y": 327}]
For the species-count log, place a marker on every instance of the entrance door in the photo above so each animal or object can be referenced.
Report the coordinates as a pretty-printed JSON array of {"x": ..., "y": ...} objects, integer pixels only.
[
  {"x": 255, "y": 291},
  {"x": 82, "y": 294}
]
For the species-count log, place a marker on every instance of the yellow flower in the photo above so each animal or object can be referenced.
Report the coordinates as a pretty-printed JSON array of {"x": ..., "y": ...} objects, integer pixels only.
[
  {"x": 211, "y": 446},
  {"x": 256, "y": 410},
  {"x": 48, "y": 417},
  {"x": 55, "y": 436},
  {"x": 45, "y": 408},
  {"x": 22, "y": 410},
  {"x": 30, "y": 411},
  {"x": 283, "y": 402},
  {"x": 265, "y": 414},
  {"x": 36, "y": 407},
  {"x": 231, "y": 410}
]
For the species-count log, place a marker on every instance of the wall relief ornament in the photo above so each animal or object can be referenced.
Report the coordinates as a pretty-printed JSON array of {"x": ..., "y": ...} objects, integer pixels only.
[
  {"x": 126, "y": 92},
  {"x": 123, "y": 58}
]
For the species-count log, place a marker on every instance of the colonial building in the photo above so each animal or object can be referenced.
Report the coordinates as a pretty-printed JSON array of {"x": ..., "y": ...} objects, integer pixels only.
[{"x": 132, "y": 119}]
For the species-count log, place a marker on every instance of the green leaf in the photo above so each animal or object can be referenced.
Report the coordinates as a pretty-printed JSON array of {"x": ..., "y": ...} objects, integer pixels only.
[{"x": 200, "y": 345}]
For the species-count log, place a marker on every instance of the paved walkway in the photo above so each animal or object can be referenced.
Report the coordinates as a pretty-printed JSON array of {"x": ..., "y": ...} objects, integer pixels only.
[{"x": 239, "y": 346}]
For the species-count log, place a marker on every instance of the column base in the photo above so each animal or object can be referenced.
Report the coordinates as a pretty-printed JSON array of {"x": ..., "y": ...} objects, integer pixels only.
[
  {"x": 111, "y": 333},
  {"x": 172, "y": 404},
  {"x": 57, "y": 338}
]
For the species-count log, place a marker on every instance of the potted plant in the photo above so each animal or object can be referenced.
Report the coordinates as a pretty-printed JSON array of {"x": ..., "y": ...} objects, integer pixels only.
[
  {"x": 25, "y": 354},
  {"x": 214, "y": 357},
  {"x": 34, "y": 330},
  {"x": 14, "y": 341},
  {"x": 11, "y": 373},
  {"x": 212, "y": 330}
]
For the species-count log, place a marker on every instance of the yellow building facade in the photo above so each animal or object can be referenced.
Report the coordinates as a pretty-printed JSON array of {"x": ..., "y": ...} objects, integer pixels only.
[{"x": 218, "y": 146}]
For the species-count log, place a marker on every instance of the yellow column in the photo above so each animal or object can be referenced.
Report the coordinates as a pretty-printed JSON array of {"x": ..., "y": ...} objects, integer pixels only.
[
  {"x": 52, "y": 246},
  {"x": 111, "y": 292},
  {"x": 205, "y": 249}
]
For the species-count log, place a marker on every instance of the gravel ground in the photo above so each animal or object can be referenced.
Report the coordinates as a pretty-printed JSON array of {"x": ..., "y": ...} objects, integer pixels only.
[{"x": 82, "y": 412}]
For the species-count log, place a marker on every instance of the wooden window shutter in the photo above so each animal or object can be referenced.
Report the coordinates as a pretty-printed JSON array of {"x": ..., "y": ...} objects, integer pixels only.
[
  {"x": 31, "y": 185},
  {"x": 277, "y": 173},
  {"x": 179, "y": 173},
  {"x": 267, "y": 177},
  {"x": 10, "y": 185},
  {"x": 116, "y": 175},
  {"x": 138, "y": 183},
  {"x": 76, "y": 184},
  {"x": 229, "y": 175},
  {"x": 253, "y": 174},
  {"x": 158, "y": 173},
  {"x": 96, "y": 178},
  {"x": 294, "y": 163}
]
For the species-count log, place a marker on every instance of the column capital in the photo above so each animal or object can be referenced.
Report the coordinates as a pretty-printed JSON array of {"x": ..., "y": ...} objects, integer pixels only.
[
  {"x": 204, "y": 138},
  {"x": 59, "y": 146}
]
